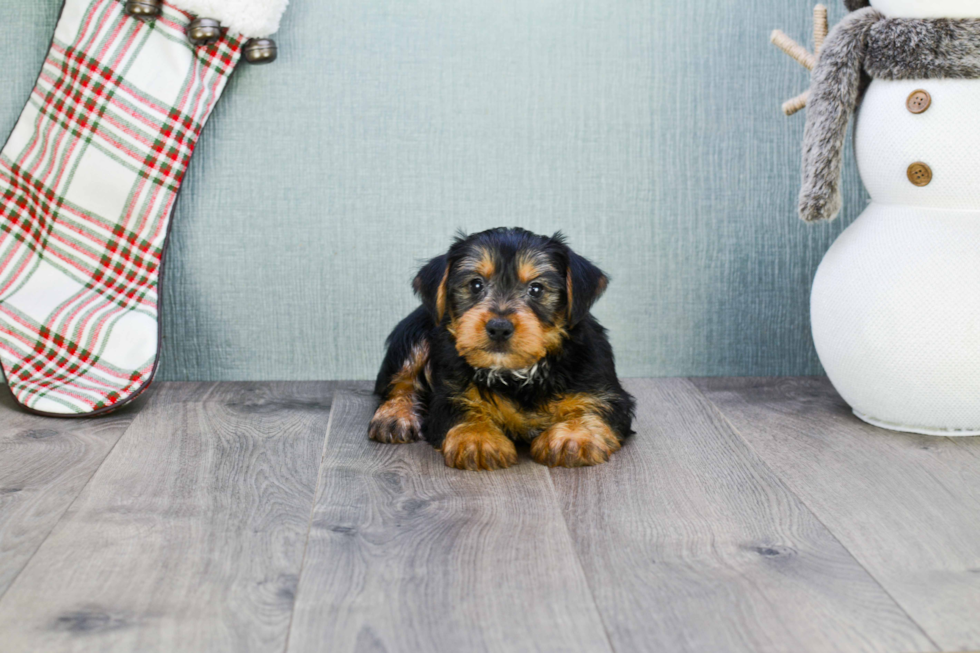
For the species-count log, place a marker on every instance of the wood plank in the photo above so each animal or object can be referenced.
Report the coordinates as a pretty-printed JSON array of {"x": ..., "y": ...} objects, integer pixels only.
[
  {"x": 44, "y": 463},
  {"x": 189, "y": 537},
  {"x": 904, "y": 505},
  {"x": 962, "y": 459},
  {"x": 406, "y": 554},
  {"x": 690, "y": 543}
]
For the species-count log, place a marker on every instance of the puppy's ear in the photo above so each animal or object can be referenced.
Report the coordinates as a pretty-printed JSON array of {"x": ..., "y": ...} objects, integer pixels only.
[
  {"x": 430, "y": 286},
  {"x": 586, "y": 283}
]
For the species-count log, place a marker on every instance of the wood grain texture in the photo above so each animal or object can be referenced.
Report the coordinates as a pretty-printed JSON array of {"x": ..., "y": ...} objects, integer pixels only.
[
  {"x": 189, "y": 537},
  {"x": 406, "y": 554},
  {"x": 690, "y": 543},
  {"x": 906, "y": 506},
  {"x": 44, "y": 463}
]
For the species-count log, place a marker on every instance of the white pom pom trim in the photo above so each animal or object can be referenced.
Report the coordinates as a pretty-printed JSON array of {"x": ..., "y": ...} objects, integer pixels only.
[{"x": 248, "y": 18}]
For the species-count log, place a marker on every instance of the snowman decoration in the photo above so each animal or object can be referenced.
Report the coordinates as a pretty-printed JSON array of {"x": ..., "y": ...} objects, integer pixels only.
[{"x": 895, "y": 305}]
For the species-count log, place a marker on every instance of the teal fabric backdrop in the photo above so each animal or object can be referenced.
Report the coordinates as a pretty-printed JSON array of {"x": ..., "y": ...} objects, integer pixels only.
[{"x": 648, "y": 130}]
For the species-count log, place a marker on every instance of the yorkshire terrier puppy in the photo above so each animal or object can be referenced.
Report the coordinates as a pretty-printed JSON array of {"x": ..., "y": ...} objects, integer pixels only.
[{"x": 504, "y": 349}]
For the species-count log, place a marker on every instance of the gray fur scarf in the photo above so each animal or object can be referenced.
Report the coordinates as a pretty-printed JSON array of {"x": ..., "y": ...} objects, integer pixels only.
[{"x": 867, "y": 43}]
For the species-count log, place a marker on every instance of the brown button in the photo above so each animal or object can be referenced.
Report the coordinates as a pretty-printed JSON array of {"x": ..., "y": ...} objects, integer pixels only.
[
  {"x": 919, "y": 102},
  {"x": 920, "y": 174}
]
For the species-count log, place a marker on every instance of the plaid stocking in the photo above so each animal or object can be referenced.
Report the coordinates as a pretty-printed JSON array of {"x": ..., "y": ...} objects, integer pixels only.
[{"x": 88, "y": 181}]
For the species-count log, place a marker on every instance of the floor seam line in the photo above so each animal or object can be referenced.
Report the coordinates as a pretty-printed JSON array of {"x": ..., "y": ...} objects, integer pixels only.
[
  {"x": 958, "y": 445},
  {"x": 578, "y": 561},
  {"x": 789, "y": 488},
  {"x": 64, "y": 512},
  {"x": 309, "y": 522}
]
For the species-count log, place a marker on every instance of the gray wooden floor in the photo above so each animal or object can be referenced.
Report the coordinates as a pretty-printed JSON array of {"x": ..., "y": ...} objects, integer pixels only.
[{"x": 746, "y": 515}]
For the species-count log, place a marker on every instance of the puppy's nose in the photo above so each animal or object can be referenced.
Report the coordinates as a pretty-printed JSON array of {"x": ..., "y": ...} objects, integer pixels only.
[{"x": 500, "y": 329}]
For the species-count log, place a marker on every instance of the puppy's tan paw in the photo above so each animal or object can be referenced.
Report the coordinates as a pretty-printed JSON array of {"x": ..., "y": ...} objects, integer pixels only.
[
  {"x": 397, "y": 421},
  {"x": 578, "y": 442},
  {"x": 476, "y": 447}
]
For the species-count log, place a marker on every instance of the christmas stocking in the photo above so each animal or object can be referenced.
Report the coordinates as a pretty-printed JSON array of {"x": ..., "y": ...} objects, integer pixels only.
[{"x": 88, "y": 181}]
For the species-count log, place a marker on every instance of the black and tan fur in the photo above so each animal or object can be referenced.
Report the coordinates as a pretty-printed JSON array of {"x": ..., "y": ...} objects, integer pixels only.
[{"x": 504, "y": 349}]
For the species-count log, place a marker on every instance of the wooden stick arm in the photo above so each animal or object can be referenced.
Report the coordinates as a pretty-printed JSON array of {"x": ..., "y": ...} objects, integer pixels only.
[
  {"x": 796, "y": 104},
  {"x": 821, "y": 27},
  {"x": 808, "y": 60},
  {"x": 793, "y": 49}
]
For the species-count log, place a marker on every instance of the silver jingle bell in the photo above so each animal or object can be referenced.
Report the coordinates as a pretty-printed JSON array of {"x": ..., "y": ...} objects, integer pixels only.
[
  {"x": 261, "y": 51},
  {"x": 204, "y": 31},
  {"x": 143, "y": 8}
]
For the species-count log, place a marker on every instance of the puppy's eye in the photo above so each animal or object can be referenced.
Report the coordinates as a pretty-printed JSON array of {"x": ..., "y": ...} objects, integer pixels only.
[
  {"x": 535, "y": 290},
  {"x": 476, "y": 286}
]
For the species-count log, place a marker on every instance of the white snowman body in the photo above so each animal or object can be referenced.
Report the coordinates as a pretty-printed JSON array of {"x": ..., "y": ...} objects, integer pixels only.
[{"x": 895, "y": 305}]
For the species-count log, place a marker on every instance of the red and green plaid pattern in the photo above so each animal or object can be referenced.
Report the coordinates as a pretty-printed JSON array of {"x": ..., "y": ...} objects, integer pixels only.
[{"x": 88, "y": 181}]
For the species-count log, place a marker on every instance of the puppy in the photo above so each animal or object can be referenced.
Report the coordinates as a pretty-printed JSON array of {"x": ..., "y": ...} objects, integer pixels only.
[{"x": 504, "y": 349}]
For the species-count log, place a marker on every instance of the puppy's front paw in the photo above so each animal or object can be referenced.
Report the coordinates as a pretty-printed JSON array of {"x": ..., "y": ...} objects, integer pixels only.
[
  {"x": 396, "y": 422},
  {"x": 578, "y": 442},
  {"x": 477, "y": 447}
]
